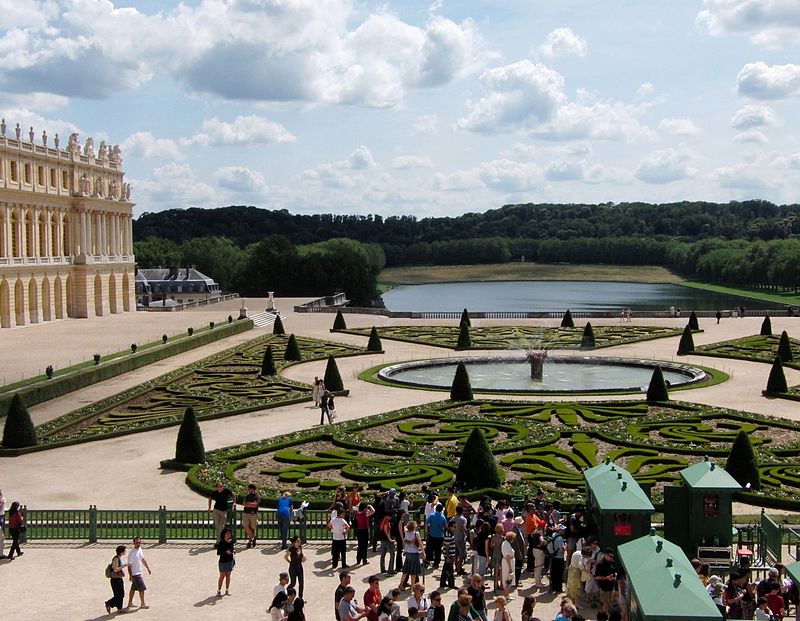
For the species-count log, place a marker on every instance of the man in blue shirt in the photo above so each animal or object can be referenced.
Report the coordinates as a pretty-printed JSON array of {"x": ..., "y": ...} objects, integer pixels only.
[
  {"x": 436, "y": 526},
  {"x": 284, "y": 515}
]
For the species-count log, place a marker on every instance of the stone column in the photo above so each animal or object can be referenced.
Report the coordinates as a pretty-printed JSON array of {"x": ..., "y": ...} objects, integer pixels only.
[
  {"x": 4, "y": 231},
  {"x": 59, "y": 245},
  {"x": 35, "y": 229}
]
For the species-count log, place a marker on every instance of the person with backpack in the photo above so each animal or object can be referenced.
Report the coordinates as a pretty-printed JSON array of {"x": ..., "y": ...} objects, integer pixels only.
[
  {"x": 555, "y": 548},
  {"x": 115, "y": 572}
]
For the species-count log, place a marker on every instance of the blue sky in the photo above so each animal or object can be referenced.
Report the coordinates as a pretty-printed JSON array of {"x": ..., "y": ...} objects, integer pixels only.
[{"x": 423, "y": 108}]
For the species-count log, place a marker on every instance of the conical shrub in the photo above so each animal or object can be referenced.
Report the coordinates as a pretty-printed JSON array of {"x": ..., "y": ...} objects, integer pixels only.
[
  {"x": 657, "y": 390},
  {"x": 766, "y": 326},
  {"x": 461, "y": 390},
  {"x": 374, "y": 343},
  {"x": 464, "y": 341},
  {"x": 189, "y": 447},
  {"x": 566, "y": 320},
  {"x": 339, "y": 323},
  {"x": 19, "y": 431},
  {"x": 776, "y": 383},
  {"x": 477, "y": 468},
  {"x": 686, "y": 344},
  {"x": 268, "y": 363},
  {"x": 333, "y": 380},
  {"x": 785, "y": 348},
  {"x": 277, "y": 327},
  {"x": 465, "y": 318},
  {"x": 292, "y": 353},
  {"x": 587, "y": 340},
  {"x": 693, "y": 323},
  {"x": 742, "y": 463}
]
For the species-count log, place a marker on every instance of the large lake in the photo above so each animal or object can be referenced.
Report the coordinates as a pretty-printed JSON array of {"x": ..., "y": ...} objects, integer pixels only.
[{"x": 542, "y": 296}]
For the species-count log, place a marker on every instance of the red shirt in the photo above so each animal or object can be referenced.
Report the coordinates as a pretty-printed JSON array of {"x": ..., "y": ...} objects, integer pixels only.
[
  {"x": 372, "y": 597},
  {"x": 362, "y": 520},
  {"x": 775, "y": 602}
]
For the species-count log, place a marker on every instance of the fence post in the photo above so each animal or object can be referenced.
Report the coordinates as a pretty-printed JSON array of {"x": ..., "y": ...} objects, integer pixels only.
[
  {"x": 23, "y": 536},
  {"x": 162, "y": 524},
  {"x": 92, "y": 523}
]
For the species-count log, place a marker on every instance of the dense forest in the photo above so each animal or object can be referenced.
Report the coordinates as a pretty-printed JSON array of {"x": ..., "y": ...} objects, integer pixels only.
[{"x": 751, "y": 243}]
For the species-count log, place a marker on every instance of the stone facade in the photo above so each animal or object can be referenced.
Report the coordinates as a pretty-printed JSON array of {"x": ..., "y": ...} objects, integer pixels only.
[{"x": 66, "y": 235}]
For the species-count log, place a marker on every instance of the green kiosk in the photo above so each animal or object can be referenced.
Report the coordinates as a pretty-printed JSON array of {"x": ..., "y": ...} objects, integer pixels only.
[
  {"x": 663, "y": 584},
  {"x": 793, "y": 571},
  {"x": 617, "y": 508}
]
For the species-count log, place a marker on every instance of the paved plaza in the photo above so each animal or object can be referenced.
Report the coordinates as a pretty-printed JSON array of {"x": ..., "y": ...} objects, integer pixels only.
[{"x": 64, "y": 580}]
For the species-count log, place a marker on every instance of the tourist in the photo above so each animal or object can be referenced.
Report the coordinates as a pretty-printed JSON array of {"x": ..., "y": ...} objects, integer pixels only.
[
  {"x": 323, "y": 407},
  {"x": 339, "y": 529},
  {"x": 348, "y": 609},
  {"x": 316, "y": 391},
  {"x": 574, "y": 570},
  {"x": 386, "y": 543},
  {"x": 715, "y": 590},
  {"x": 507, "y": 563},
  {"x": 297, "y": 613},
  {"x": 536, "y": 544},
  {"x": 477, "y": 591},
  {"x": 364, "y": 513},
  {"x": 223, "y": 499},
  {"x": 775, "y": 600},
  {"x": 344, "y": 582},
  {"x": 528, "y": 604},
  {"x": 2, "y": 525},
  {"x": 436, "y": 527},
  {"x": 605, "y": 574},
  {"x": 718, "y": 315},
  {"x": 250, "y": 515},
  {"x": 494, "y": 552},
  {"x": 283, "y": 581},
  {"x": 372, "y": 598},
  {"x": 386, "y": 609},
  {"x": 340, "y": 501},
  {"x": 418, "y": 601},
  {"x": 500, "y": 612},
  {"x": 396, "y": 614},
  {"x": 463, "y": 609},
  {"x": 460, "y": 534},
  {"x": 353, "y": 500},
  {"x": 478, "y": 537},
  {"x": 412, "y": 546},
  {"x": 275, "y": 609},
  {"x": 333, "y": 416},
  {"x": 763, "y": 611},
  {"x": 225, "y": 552},
  {"x": 295, "y": 557},
  {"x": 16, "y": 524},
  {"x": 117, "y": 580},
  {"x": 556, "y": 547},
  {"x": 284, "y": 515},
  {"x": 450, "y": 504},
  {"x": 448, "y": 578},
  {"x": 520, "y": 544},
  {"x": 135, "y": 561}
]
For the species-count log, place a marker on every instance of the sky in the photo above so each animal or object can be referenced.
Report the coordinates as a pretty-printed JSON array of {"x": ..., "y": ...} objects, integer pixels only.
[{"x": 405, "y": 107}]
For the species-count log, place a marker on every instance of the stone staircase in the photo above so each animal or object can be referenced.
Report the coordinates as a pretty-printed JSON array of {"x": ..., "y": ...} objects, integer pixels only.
[{"x": 263, "y": 320}]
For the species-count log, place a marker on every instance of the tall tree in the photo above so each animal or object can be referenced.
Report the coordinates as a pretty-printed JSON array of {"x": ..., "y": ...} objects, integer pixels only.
[
  {"x": 189, "y": 447},
  {"x": 19, "y": 431}
]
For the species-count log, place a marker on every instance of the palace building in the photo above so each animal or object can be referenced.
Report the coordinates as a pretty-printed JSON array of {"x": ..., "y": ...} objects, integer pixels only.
[{"x": 66, "y": 236}]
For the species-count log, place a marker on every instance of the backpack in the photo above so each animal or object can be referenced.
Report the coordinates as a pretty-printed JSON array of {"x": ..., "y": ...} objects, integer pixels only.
[
  {"x": 109, "y": 571},
  {"x": 550, "y": 548}
]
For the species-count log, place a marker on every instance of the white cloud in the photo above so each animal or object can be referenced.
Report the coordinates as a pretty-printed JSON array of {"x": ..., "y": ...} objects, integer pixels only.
[
  {"x": 562, "y": 41},
  {"x": 681, "y": 127},
  {"x": 563, "y": 170},
  {"x": 599, "y": 173},
  {"x": 361, "y": 159},
  {"x": 243, "y": 130},
  {"x": 753, "y": 115},
  {"x": 739, "y": 176},
  {"x": 510, "y": 176},
  {"x": 340, "y": 174},
  {"x": 645, "y": 90},
  {"x": 28, "y": 118},
  {"x": 404, "y": 162},
  {"x": 458, "y": 181},
  {"x": 752, "y": 136},
  {"x": 239, "y": 179},
  {"x": 143, "y": 145},
  {"x": 596, "y": 120},
  {"x": 174, "y": 185},
  {"x": 762, "y": 81},
  {"x": 666, "y": 166},
  {"x": 426, "y": 125},
  {"x": 770, "y": 23}
]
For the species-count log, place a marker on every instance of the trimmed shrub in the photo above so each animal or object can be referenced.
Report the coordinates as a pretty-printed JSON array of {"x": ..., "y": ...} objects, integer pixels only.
[
  {"x": 96, "y": 358},
  {"x": 587, "y": 340},
  {"x": 461, "y": 390},
  {"x": 189, "y": 447},
  {"x": 190, "y": 331},
  {"x": 776, "y": 383},
  {"x": 477, "y": 468},
  {"x": 292, "y": 353},
  {"x": 566, "y": 320},
  {"x": 657, "y": 390},
  {"x": 134, "y": 347},
  {"x": 686, "y": 345},
  {"x": 211, "y": 325},
  {"x": 277, "y": 327},
  {"x": 19, "y": 431},
  {"x": 465, "y": 318},
  {"x": 339, "y": 322},
  {"x": 785, "y": 348},
  {"x": 374, "y": 343},
  {"x": 164, "y": 338},
  {"x": 742, "y": 464},
  {"x": 464, "y": 341},
  {"x": 693, "y": 323},
  {"x": 268, "y": 363},
  {"x": 333, "y": 380},
  {"x": 766, "y": 326}
]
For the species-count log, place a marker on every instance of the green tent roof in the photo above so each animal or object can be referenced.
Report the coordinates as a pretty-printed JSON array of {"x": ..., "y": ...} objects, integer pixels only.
[
  {"x": 794, "y": 571},
  {"x": 664, "y": 582},
  {"x": 706, "y": 475},
  {"x": 615, "y": 489}
]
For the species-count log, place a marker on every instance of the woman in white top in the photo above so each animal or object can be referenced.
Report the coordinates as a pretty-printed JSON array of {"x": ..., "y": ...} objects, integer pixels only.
[
  {"x": 275, "y": 609},
  {"x": 412, "y": 546},
  {"x": 419, "y": 601},
  {"x": 507, "y": 567}
]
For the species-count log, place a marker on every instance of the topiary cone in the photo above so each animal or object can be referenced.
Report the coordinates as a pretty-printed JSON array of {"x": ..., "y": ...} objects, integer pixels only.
[
  {"x": 292, "y": 353},
  {"x": 785, "y": 348},
  {"x": 587, "y": 340},
  {"x": 477, "y": 468},
  {"x": 277, "y": 327},
  {"x": 461, "y": 390},
  {"x": 333, "y": 380},
  {"x": 657, "y": 390},
  {"x": 566, "y": 320},
  {"x": 464, "y": 341},
  {"x": 374, "y": 343},
  {"x": 19, "y": 431},
  {"x": 742, "y": 462},
  {"x": 776, "y": 383},
  {"x": 693, "y": 323},
  {"x": 465, "y": 318},
  {"x": 189, "y": 447},
  {"x": 686, "y": 345},
  {"x": 339, "y": 323},
  {"x": 268, "y": 363},
  {"x": 766, "y": 326}
]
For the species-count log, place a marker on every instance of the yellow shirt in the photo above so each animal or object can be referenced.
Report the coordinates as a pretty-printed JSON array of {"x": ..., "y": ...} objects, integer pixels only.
[{"x": 450, "y": 506}]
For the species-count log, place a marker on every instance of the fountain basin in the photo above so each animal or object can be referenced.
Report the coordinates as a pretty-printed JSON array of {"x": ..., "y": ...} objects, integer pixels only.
[{"x": 562, "y": 374}]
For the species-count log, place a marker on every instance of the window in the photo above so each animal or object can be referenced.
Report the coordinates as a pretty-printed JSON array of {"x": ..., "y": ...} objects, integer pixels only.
[
  {"x": 40, "y": 175},
  {"x": 14, "y": 172},
  {"x": 65, "y": 179},
  {"x": 28, "y": 174},
  {"x": 623, "y": 525},
  {"x": 53, "y": 178},
  {"x": 711, "y": 506}
]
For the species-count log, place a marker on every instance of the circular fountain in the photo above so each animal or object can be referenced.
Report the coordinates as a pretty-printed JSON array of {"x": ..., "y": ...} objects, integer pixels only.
[{"x": 564, "y": 374}]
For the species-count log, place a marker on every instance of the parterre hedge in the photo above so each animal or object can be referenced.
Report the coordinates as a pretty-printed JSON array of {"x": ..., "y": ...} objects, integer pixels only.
[{"x": 756, "y": 348}]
